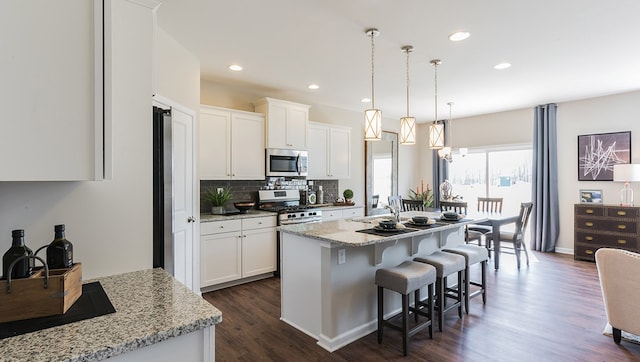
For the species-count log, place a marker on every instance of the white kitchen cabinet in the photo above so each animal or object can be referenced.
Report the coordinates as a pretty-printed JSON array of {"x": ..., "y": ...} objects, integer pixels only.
[
  {"x": 259, "y": 238},
  {"x": 329, "y": 151},
  {"x": 231, "y": 144},
  {"x": 286, "y": 123},
  {"x": 51, "y": 91},
  {"x": 220, "y": 251},
  {"x": 232, "y": 250},
  {"x": 342, "y": 213}
]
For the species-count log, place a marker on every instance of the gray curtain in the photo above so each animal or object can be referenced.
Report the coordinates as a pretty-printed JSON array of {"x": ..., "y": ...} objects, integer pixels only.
[{"x": 545, "y": 219}]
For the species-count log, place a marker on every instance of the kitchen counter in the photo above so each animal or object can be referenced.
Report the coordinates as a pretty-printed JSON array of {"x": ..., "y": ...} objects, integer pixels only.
[
  {"x": 335, "y": 266},
  {"x": 344, "y": 232},
  {"x": 151, "y": 307},
  {"x": 251, "y": 213}
]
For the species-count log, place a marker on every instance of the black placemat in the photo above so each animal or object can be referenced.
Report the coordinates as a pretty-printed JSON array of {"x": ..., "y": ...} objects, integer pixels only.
[
  {"x": 421, "y": 226},
  {"x": 386, "y": 233},
  {"x": 92, "y": 303},
  {"x": 452, "y": 221}
]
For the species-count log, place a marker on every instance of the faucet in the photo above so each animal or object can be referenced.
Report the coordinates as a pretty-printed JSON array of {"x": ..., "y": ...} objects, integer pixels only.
[{"x": 395, "y": 210}]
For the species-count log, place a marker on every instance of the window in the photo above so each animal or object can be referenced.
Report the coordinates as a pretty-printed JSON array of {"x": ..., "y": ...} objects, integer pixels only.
[{"x": 493, "y": 172}]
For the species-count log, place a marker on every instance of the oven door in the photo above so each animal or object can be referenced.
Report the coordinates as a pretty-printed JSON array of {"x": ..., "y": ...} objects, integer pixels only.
[{"x": 286, "y": 162}]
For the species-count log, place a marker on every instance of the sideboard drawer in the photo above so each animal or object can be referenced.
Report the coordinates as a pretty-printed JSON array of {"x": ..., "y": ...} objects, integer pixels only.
[
  {"x": 622, "y": 212},
  {"x": 618, "y": 241},
  {"x": 619, "y": 226},
  {"x": 589, "y": 210},
  {"x": 585, "y": 252}
]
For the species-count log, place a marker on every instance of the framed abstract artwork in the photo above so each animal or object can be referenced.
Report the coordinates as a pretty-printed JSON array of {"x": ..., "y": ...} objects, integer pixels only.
[{"x": 597, "y": 153}]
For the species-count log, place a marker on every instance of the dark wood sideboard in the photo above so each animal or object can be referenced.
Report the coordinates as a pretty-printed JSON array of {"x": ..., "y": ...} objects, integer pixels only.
[{"x": 604, "y": 226}]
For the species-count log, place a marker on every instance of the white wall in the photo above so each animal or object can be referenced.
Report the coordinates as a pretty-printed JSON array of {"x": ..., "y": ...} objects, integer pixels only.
[{"x": 109, "y": 222}]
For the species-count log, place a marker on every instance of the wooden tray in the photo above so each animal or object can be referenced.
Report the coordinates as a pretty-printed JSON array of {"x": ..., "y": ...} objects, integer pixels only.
[{"x": 30, "y": 299}]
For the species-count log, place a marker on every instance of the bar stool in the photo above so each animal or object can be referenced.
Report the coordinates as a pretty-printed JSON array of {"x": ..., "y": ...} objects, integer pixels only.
[
  {"x": 406, "y": 278},
  {"x": 473, "y": 254},
  {"x": 446, "y": 264}
]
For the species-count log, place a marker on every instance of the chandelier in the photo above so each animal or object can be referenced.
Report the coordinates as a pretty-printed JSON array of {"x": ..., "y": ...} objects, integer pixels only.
[{"x": 446, "y": 152}]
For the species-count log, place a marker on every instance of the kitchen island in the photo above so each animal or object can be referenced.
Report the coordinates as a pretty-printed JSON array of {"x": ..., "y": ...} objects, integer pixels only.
[
  {"x": 157, "y": 318},
  {"x": 328, "y": 272}
]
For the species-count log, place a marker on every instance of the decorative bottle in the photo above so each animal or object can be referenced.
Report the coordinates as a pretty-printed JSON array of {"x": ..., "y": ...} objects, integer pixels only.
[
  {"x": 24, "y": 267},
  {"x": 60, "y": 251},
  {"x": 320, "y": 195}
]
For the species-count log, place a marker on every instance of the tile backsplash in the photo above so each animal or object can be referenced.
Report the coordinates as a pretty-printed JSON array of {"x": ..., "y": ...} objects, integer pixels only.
[{"x": 247, "y": 190}]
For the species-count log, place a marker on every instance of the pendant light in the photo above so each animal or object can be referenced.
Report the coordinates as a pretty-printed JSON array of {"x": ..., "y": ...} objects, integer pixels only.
[
  {"x": 445, "y": 152},
  {"x": 372, "y": 116},
  {"x": 436, "y": 129},
  {"x": 408, "y": 123}
]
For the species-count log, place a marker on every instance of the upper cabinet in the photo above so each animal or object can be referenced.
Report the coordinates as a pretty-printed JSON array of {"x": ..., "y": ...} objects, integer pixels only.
[
  {"x": 329, "y": 151},
  {"x": 51, "y": 91},
  {"x": 286, "y": 123},
  {"x": 231, "y": 144}
]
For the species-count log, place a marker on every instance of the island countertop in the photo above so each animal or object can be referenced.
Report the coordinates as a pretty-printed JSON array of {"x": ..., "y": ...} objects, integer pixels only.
[
  {"x": 151, "y": 307},
  {"x": 344, "y": 232}
]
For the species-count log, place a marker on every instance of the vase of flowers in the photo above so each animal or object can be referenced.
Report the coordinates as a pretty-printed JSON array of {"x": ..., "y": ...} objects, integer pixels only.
[{"x": 423, "y": 194}]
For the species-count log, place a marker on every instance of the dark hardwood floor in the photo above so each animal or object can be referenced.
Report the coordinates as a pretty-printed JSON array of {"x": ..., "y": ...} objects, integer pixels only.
[{"x": 549, "y": 311}]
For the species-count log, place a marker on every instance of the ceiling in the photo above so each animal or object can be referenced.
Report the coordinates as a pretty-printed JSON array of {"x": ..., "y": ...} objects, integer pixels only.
[{"x": 559, "y": 50}]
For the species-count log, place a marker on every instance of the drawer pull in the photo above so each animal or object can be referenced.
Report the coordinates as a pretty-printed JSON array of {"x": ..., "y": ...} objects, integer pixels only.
[
  {"x": 588, "y": 238},
  {"x": 622, "y": 227},
  {"x": 588, "y": 211},
  {"x": 588, "y": 223},
  {"x": 622, "y": 213},
  {"x": 590, "y": 252},
  {"x": 622, "y": 241}
]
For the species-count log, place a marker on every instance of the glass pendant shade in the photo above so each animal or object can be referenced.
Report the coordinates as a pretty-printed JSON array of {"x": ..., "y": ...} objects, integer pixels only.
[
  {"x": 436, "y": 136},
  {"x": 372, "y": 125},
  {"x": 407, "y": 130}
]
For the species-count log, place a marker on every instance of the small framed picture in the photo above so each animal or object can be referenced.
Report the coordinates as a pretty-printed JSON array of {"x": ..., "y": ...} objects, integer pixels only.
[{"x": 591, "y": 196}]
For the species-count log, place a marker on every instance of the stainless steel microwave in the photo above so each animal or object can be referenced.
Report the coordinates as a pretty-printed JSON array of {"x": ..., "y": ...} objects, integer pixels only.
[{"x": 283, "y": 162}]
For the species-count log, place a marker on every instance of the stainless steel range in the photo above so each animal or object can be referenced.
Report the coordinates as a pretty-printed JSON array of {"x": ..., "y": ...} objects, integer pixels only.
[{"x": 287, "y": 204}]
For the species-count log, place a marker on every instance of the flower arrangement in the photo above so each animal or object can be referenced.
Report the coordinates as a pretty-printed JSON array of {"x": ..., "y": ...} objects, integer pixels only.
[{"x": 422, "y": 193}]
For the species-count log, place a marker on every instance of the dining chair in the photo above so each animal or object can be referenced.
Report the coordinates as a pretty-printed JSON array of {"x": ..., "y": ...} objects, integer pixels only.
[
  {"x": 412, "y": 205},
  {"x": 459, "y": 207},
  {"x": 515, "y": 238},
  {"x": 374, "y": 201},
  {"x": 477, "y": 232},
  {"x": 395, "y": 201}
]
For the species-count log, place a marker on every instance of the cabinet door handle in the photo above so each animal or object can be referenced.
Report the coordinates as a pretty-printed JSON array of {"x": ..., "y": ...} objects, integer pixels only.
[
  {"x": 589, "y": 251},
  {"x": 622, "y": 227},
  {"x": 622, "y": 213},
  {"x": 588, "y": 211},
  {"x": 588, "y": 223},
  {"x": 622, "y": 241},
  {"x": 589, "y": 238},
  {"x": 221, "y": 226}
]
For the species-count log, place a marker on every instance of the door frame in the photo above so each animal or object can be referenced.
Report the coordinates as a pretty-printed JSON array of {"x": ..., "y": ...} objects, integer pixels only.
[{"x": 159, "y": 100}]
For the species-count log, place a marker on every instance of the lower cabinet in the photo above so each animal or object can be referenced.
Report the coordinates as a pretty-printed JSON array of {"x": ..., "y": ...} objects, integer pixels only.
[
  {"x": 235, "y": 249},
  {"x": 342, "y": 213}
]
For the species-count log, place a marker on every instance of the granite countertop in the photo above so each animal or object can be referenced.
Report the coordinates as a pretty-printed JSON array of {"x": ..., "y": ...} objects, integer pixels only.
[
  {"x": 249, "y": 214},
  {"x": 151, "y": 307},
  {"x": 344, "y": 232},
  {"x": 207, "y": 217}
]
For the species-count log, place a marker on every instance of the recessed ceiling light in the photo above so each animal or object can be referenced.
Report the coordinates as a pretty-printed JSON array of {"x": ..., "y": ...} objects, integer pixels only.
[
  {"x": 502, "y": 66},
  {"x": 459, "y": 35},
  {"x": 365, "y": 100},
  {"x": 313, "y": 86},
  {"x": 235, "y": 67}
]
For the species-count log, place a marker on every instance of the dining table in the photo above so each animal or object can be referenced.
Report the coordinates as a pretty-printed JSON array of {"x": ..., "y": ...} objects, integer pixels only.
[{"x": 496, "y": 220}]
